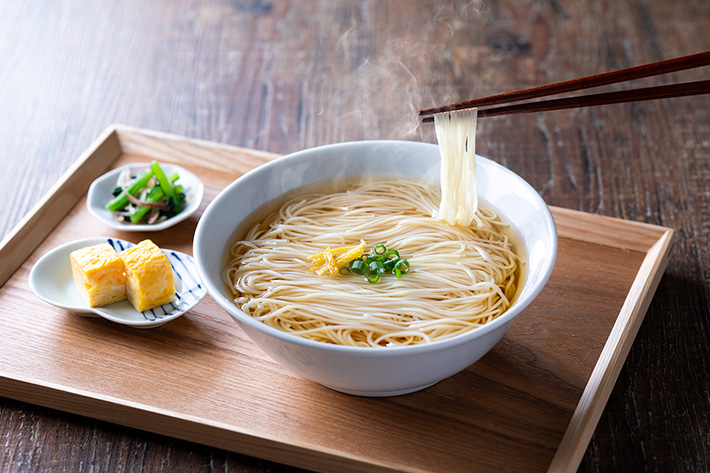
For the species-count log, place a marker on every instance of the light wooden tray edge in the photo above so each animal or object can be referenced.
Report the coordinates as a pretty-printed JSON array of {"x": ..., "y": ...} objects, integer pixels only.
[
  {"x": 69, "y": 188},
  {"x": 601, "y": 382},
  {"x": 184, "y": 427},
  {"x": 601, "y": 229}
]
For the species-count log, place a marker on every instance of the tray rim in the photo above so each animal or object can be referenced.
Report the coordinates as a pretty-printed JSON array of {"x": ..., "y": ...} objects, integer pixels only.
[
  {"x": 653, "y": 240},
  {"x": 611, "y": 360}
]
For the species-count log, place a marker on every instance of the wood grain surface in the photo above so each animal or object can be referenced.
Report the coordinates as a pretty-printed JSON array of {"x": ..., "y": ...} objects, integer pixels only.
[{"x": 280, "y": 76}]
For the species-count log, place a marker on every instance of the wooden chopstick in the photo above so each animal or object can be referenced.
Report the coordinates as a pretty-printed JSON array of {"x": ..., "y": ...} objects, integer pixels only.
[
  {"x": 632, "y": 73},
  {"x": 684, "y": 89}
]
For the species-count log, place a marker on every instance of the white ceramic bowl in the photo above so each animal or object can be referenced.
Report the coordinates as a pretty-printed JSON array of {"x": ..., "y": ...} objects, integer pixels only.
[{"x": 377, "y": 371}]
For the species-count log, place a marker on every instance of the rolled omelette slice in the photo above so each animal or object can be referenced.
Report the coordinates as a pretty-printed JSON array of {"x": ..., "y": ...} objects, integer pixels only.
[
  {"x": 149, "y": 276},
  {"x": 99, "y": 274}
]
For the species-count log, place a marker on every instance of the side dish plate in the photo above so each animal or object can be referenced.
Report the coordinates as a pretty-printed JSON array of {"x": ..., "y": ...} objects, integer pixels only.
[
  {"x": 51, "y": 280},
  {"x": 101, "y": 190}
]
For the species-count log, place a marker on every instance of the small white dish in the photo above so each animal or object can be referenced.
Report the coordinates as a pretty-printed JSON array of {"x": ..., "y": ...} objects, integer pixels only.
[
  {"x": 100, "y": 192},
  {"x": 52, "y": 281}
]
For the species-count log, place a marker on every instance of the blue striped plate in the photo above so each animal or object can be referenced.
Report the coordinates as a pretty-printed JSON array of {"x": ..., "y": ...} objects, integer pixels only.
[{"x": 51, "y": 280}]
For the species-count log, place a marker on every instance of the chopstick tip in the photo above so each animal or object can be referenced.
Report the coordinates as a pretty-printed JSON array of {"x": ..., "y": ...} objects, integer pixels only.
[{"x": 442, "y": 111}]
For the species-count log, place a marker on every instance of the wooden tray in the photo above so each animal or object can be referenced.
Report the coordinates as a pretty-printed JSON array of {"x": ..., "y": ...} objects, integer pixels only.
[{"x": 531, "y": 404}]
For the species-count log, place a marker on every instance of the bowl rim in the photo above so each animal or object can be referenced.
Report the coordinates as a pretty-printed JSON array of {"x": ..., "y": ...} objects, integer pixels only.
[{"x": 506, "y": 318}]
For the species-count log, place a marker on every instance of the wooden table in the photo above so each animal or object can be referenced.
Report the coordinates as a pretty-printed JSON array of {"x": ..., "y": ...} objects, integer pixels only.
[{"x": 281, "y": 76}]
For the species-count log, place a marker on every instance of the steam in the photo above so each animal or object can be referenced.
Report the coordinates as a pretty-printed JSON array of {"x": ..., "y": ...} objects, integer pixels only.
[{"x": 394, "y": 83}]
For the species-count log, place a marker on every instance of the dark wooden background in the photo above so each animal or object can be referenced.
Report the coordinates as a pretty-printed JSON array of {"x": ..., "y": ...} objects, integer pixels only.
[{"x": 281, "y": 76}]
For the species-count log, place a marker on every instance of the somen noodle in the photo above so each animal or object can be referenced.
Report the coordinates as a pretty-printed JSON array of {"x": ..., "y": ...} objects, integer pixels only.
[
  {"x": 456, "y": 134},
  {"x": 461, "y": 277},
  {"x": 461, "y": 268}
]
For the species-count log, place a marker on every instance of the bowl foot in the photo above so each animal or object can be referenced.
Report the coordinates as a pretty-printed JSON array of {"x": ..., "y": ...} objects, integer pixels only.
[{"x": 395, "y": 392}]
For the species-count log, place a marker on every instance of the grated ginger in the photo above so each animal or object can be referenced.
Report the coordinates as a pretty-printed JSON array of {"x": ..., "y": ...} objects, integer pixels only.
[{"x": 332, "y": 259}]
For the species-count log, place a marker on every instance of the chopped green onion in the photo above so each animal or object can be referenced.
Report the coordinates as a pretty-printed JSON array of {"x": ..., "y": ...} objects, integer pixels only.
[
  {"x": 377, "y": 266},
  {"x": 390, "y": 264},
  {"x": 358, "y": 266},
  {"x": 381, "y": 261},
  {"x": 403, "y": 266}
]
